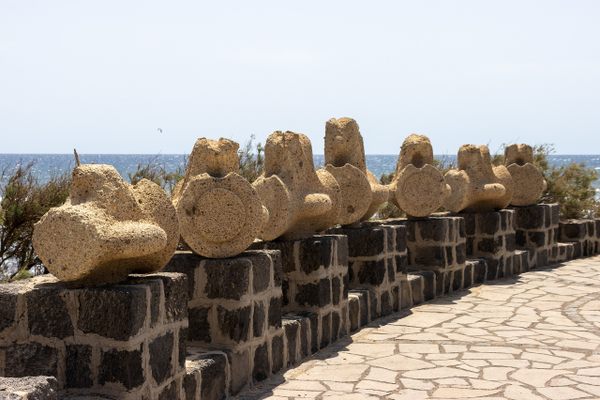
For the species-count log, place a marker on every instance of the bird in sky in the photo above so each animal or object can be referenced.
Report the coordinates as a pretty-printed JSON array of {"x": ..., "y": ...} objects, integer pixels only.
[{"x": 159, "y": 130}]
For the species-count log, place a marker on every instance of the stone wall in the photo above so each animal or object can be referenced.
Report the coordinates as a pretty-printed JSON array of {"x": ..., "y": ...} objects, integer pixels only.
[
  {"x": 582, "y": 234},
  {"x": 314, "y": 281},
  {"x": 126, "y": 341},
  {"x": 208, "y": 328},
  {"x": 491, "y": 236},
  {"x": 377, "y": 261}
]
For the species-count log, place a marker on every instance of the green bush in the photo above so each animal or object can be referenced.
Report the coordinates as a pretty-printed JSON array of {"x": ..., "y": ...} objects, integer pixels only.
[
  {"x": 24, "y": 202},
  {"x": 158, "y": 174},
  {"x": 251, "y": 163}
]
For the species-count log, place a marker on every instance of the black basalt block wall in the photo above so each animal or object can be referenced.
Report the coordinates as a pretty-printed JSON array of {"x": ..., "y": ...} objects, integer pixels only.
[
  {"x": 235, "y": 305},
  {"x": 314, "y": 276},
  {"x": 119, "y": 340}
]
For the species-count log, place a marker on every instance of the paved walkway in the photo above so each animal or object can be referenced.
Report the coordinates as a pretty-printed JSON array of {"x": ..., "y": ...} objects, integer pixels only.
[{"x": 533, "y": 337}]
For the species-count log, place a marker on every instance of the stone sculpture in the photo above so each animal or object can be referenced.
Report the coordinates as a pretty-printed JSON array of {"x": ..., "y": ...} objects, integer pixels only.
[
  {"x": 220, "y": 214},
  {"x": 477, "y": 185},
  {"x": 107, "y": 229},
  {"x": 529, "y": 182},
  {"x": 362, "y": 194},
  {"x": 300, "y": 200},
  {"x": 418, "y": 187}
]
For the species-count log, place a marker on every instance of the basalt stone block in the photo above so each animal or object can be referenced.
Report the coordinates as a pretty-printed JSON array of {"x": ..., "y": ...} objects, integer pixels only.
[
  {"x": 175, "y": 288},
  {"x": 325, "y": 330},
  {"x": 277, "y": 353},
  {"x": 121, "y": 366},
  {"x": 29, "y": 388},
  {"x": 432, "y": 229},
  {"x": 213, "y": 370},
  {"x": 573, "y": 230},
  {"x": 240, "y": 369},
  {"x": 227, "y": 279},
  {"x": 461, "y": 253},
  {"x": 493, "y": 266},
  {"x": 275, "y": 312},
  {"x": 336, "y": 331},
  {"x": 336, "y": 290},
  {"x": 185, "y": 262},
  {"x": 261, "y": 270},
  {"x": 479, "y": 270},
  {"x": 537, "y": 238},
  {"x": 491, "y": 223},
  {"x": 457, "y": 279},
  {"x": 530, "y": 217},
  {"x": 396, "y": 297},
  {"x": 490, "y": 245},
  {"x": 405, "y": 294},
  {"x": 401, "y": 264},
  {"x": 430, "y": 256},
  {"x": 315, "y": 253},
  {"x": 363, "y": 298},
  {"x": 305, "y": 336},
  {"x": 354, "y": 312},
  {"x": 385, "y": 304},
  {"x": 261, "y": 368},
  {"x": 8, "y": 305},
  {"x": 161, "y": 357},
  {"x": 47, "y": 313},
  {"x": 416, "y": 284},
  {"x": 291, "y": 328},
  {"x": 365, "y": 242},
  {"x": 118, "y": 312},
  {"x": 372, "y": 272},
  {"x": 429, "y": 283},
  {"x": 30, "y": 359},
  {"x": 182, "y": 346},
  {"x": 510, "y": 242},
  {"x": 258, "y": 320},
  {"x": 468, "y": 276},
  {"x": 199, "y": 326},
  {"x": 440, "y": 282},
  {"x": 542, "y": 258},
  {"x": 234, "y": 323},
  {"x": 78, "y": 361},
  {"x": 447, "y": 281},
  {"x": 314, "y": 294}
]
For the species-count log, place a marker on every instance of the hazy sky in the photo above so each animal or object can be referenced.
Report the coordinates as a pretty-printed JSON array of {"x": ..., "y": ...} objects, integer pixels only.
[{"x": 102, "y": 76}]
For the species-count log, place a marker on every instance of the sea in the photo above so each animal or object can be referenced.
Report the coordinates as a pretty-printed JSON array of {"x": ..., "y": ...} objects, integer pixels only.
[{"x": 45, "y": 166}]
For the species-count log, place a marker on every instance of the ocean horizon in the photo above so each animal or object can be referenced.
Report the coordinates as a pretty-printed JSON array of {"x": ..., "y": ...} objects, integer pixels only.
[{"x": 45, "y": 166}]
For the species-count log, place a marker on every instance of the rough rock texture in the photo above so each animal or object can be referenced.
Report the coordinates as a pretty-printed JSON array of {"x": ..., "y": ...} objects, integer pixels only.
[
  {"x": 477, "y": 185},
  {"x": 107, "y": 228},
  {"x": 29, "y": 388},
  {"x": 219, "y": 212},
  {"x": 362, "y": 194},
  {"x": 529, "y": 183},
  {"x": 418, "y": 187},
  {"x": 300, "y": 200}
]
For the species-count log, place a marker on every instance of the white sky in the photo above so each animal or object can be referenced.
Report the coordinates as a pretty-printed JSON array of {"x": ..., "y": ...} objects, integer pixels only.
[{"x": 103, "y": 75}]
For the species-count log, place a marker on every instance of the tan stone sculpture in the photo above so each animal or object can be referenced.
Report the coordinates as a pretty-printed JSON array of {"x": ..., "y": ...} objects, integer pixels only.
[
  {"x": 107, "y": 229},
  {"x": 220, "y": 214},
  {"x": 529, "y": 182},
  {"x": 477, "y": 185},
  {"x": 300, "y": 200},
  {"x": 362, "y": 194},
  {"x": 418, "y": 187}
]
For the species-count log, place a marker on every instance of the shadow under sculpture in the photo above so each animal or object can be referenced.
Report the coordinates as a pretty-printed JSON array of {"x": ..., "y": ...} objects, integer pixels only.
[
  {"x": 477, "y": 185},
  {"x": 529, "y": 182},
  {"x": 220, "y": 214},
  {"x": 300, "y": 200},
  {"x": 418, "y": 188},
  {"x": 362, "y": 194},
  {"x": 107, "y": 229}
]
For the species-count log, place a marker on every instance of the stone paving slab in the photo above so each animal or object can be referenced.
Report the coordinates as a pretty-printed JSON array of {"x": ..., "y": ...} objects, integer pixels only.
[{"x": 532, "y": 337}]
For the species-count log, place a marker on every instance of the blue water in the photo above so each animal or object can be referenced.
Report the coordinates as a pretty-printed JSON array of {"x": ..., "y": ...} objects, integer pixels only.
[{"x": 46, "y": 165}]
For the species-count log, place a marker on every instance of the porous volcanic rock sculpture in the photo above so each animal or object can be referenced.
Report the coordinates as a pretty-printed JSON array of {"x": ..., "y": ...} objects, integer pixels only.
[
  {"x": 477, "y": 185},
  {"x": 529, "y": 182},
  {"x": 418, "y": 187},
  {"x": 362, "y": 194},
  {"x": 107, "y": 229},
  {"x": 300, "y": 200},
  {"x": 220, "y": 213}
]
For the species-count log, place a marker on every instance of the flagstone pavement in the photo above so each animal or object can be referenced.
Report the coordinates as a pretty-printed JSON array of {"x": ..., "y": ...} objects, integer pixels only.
[{"x": 536, "y": 336}]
